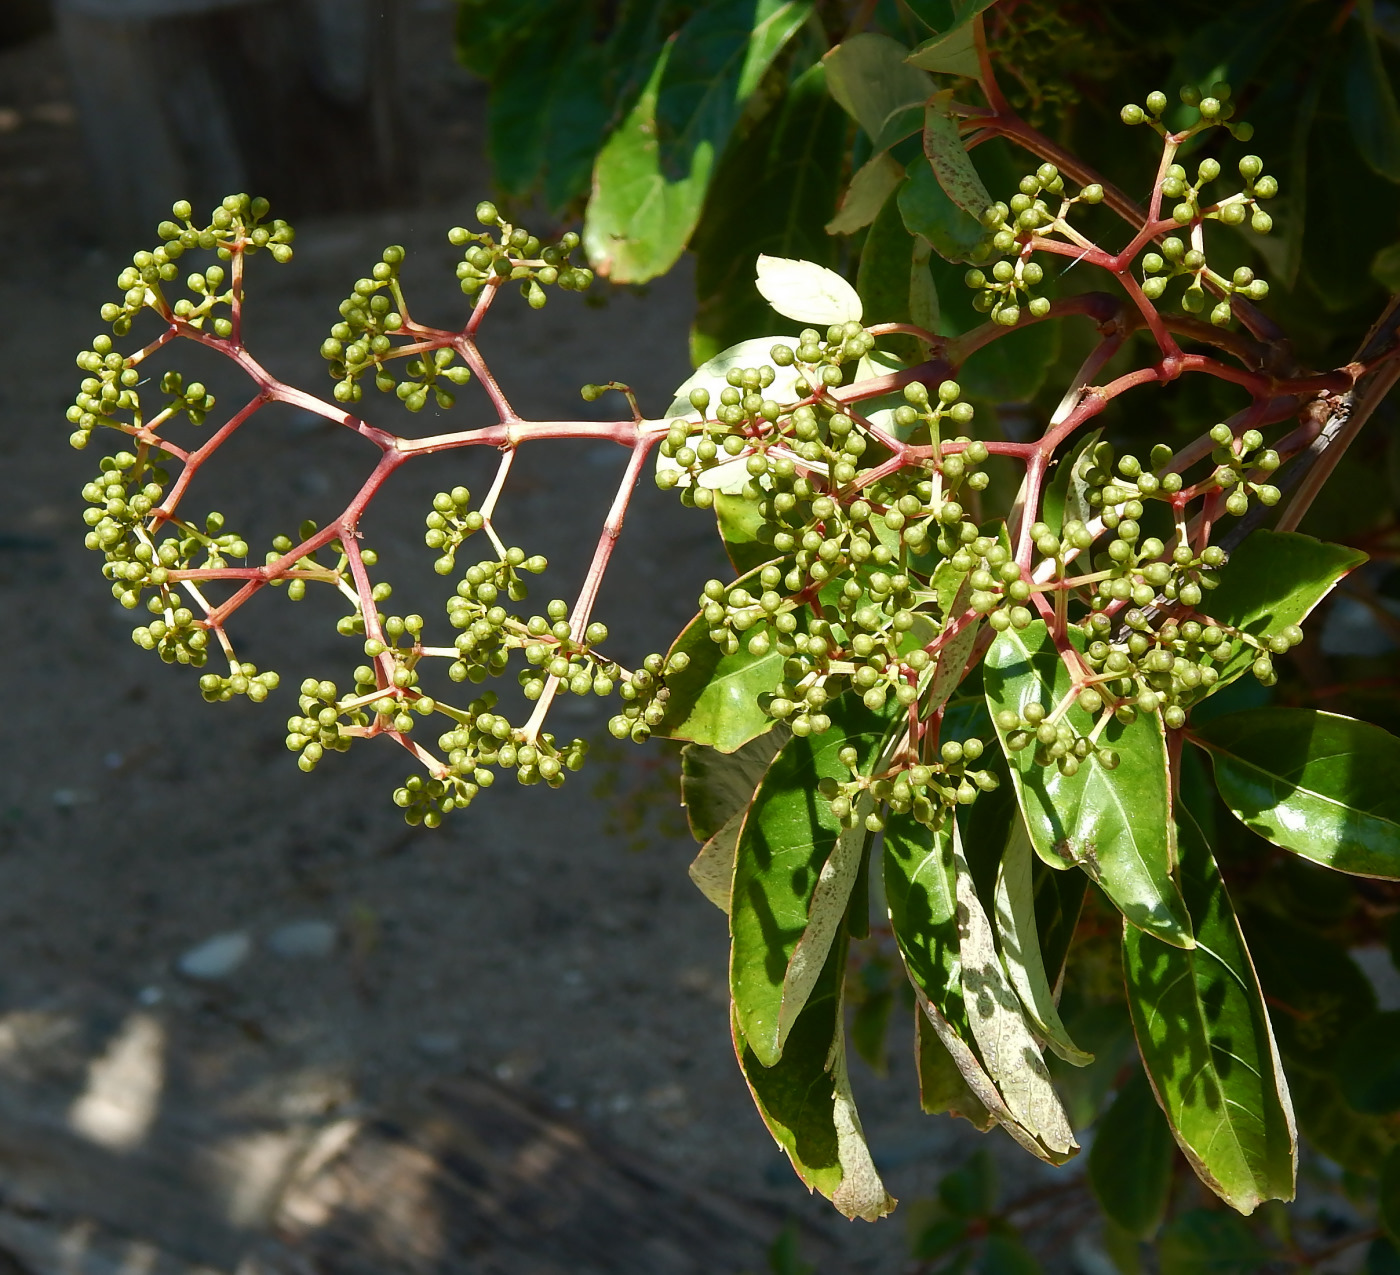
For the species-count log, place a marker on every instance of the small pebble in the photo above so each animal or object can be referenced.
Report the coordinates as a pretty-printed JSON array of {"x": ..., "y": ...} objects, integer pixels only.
[
  {"x": 298, "y": 940},
  {"x": 216, "y": 958}
]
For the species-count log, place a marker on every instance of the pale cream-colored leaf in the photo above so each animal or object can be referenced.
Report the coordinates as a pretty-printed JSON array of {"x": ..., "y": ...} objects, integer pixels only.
[
  {"x": 861, "y": 1193},
  {"x": 712, "y": 869},
  {"x": 807, "y": 292}
]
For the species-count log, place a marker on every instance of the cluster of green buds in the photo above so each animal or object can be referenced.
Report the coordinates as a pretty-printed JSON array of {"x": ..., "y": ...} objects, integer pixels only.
[
  {"x": 449, "y": 524},
  {"x": 516, "y": 255},
  {"x": 927, "y": 790},
  {"x": 1214, "y": 110},
  {"x": 1232, "y": 211},
  {"x": 317, "y": 727},
  {"x": 644, "y": 696},
  {"x": 553, "y": 652},
  {"x": 1238, "y": 458},
  {"x": 487, "y": 632},
  {"x": 1056, "y": 741}
]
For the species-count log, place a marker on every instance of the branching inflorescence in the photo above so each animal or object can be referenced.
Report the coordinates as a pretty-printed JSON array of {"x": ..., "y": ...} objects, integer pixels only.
[{"x": 848, "y": 487}]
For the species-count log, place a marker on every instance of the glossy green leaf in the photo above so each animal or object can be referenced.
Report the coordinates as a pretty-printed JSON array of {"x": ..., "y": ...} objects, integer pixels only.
[
  {"x": 651, "y": 176},
  {"x": 928, "y": 212},
  {"x": 774, "y": 192},
  {"x": 948, "y": 157},
  {"x": 805, "y": 1100},
  {"x": 942, "y": 1087},
  {"x": 1208, "y": 1242},
  {"x": 793, "y": 876},
  {"x": 1019, "y": 944},
  {"x": 1115, "y": 824},
  {"x": 1208, "y": 1046},
  {"x": 1130, "y": 1163},
  {"x": 872, "y": 185},
  {"x": 1370, "y": 96},
  {"x": 1368, "y": 1064},
  {"x": 714, "y": 700},
  {"x": 871, "y": 79},
  {"x": 1273, "y": 579},
  {"x": 921, "y": 897},
  {"x": 1009, "y": 1051},
  {"x": 1321, "y": 785}
]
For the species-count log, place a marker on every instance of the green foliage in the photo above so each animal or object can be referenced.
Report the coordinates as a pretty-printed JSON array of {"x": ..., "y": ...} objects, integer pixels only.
[{"x": 1000, "y": 540}]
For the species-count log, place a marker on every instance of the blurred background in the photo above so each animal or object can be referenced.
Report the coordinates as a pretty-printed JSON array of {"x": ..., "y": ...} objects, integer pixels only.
[{"x": 250, "y": 1022}]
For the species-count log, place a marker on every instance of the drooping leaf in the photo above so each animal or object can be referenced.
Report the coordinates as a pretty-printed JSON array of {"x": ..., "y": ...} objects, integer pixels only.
[
  {"x": 1368, "y": 1064},
  {"x": 793, "y": 876},
  {"x": 651, "y": 176},
  {"x": 716, "y": 786},
  {"x": 1370, "y": 95},
  {"x": 806, "y": 291},
  {"x": 1208, "y": 1242},
  {"x": 872, "y": 185},
  {"x": 922, "y": 901},
  {"x": 1207, "y": 1043},
  {"x": 1019, "y": 945},
  {"x": 928, "y": 212},
  {"x": 1273, "y": 579},
  {"x": 805, "y": 1100},
  {"x": 1115, "y": 824},
  {"x": 1319, "y": 784},
  {"x": 1004, "y": 1040},
  {"x": 948, "y": 157},
  {"x": 774, "y": 192},
  {"x": 871, "y": 79},
  {"x": 1130, "y": 1163},
  {"x": 712, "y": 870},
  {"x": 941, "y": 1085},
  {"x": 1107, "y": 1031}
]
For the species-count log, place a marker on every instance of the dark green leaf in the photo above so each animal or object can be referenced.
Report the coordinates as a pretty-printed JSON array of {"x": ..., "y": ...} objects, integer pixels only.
[
  {"x": 1368, "y": 1064},
  {"x": 793, "y": 876},
  {"x": 1116, "y": 824},
  {"x": 948, "y": 157},
  {"x": 885, "y": 279},
  {"x": 805, "y": 1100},
  {"x": 921, "y": 896},
  {"x": 1130, "y": 1163},
  {"x": 951, "y": 51},
  {"x": 1059, "y": 898},
  {"x": 1006, "y": 1255},
  {"x": 716, "y": 786},
  {"x": 1107, "y": 1031},
  {"x": 1207, "y": 1044},
  {"x": 928, "y": 211},
  {"x": 1274, "y": 579},
  {"x": 972, "y": 1190},
  {"x": 1388, "y": 1203},
  {"x": 773, "y": 193},
  {"x": 652, "y": 173},
  {"x": 1371, "y": 106},
  {"x": 1357, "y": 1142},
  {"x": 1204, "y": 1242},
  {"x": 1382, "y": 1258},
  {"x": 1319, "y": 784}
]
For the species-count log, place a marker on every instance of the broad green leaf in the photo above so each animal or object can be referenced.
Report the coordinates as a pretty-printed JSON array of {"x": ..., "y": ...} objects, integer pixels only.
[
  {"x": 806, "y": 291},
  {"x": 716, "y": 786},
  {"x": 1207, "y": 1044},
  {"x": 1130, "y": 1163},
  {"x": 1009, "y": 1050},
  {"x": 1059, "y": 899},
  {"x": 1370, "y": 96},
  {"x": 952, "y": 51},
  {"x": 1273, "y": 579},
  {"x": 805, "y": 1100},
  {"x": 1020, "y": 946},
  {"x": 738, "y": 521},
  {"x": 871, "y": 79},
  {"x": 1208, "y": 1242},
  {"x": 650, "y": 178},
  {"x": 714, "y": 700},
  {"x": 1368, "y": 1064},
  {"x": 1115, "y": 824},
  {"x": 948, "y": 157},
  {"x": 1321, "y": 785},
  {"x": 921, "y": 896},
  {"x": 872, "y": 185},
  {"x": 1355, "y": 1141},
  {"x": 941, "y": 1085},
  {"x": 1107, "y": 1031},
  {"x": 793, "y": 876},
  {"x": 929, "y": 212},
  {"x": 774, "y": 192}
]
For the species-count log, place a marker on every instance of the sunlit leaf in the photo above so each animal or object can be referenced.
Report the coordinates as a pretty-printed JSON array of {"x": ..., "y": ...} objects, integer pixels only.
[
  {"x": 872, "y": 185},
  {"x": 807, "y": 292}
]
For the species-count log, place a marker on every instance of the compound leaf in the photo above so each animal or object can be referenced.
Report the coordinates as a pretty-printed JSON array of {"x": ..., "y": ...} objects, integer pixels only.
[
  {"x": 1115, "y": 824},
  {"x": 1207, "y": 1043},
  {"x": 1319, "y": 784}
]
